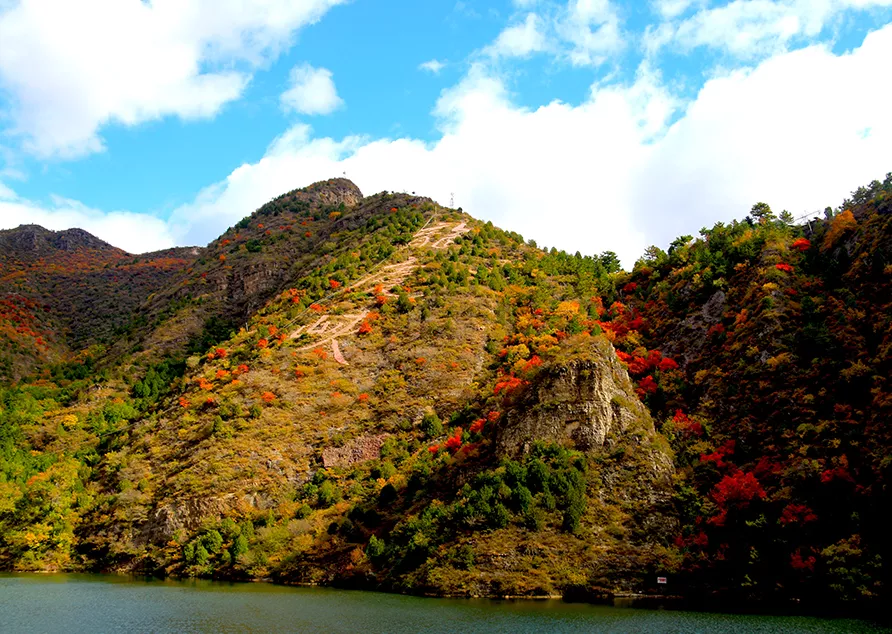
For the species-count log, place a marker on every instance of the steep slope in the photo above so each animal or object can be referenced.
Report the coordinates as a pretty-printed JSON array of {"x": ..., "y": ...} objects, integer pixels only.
[
  {"x": 410, "y": 399},
  {"x": 295, "y": 236},
  {"x": 781, "y": 425},
  {"x": 314, "y": 434},
  {"x": 62, "y": 291},
  {"x": 289, "y": 422}
]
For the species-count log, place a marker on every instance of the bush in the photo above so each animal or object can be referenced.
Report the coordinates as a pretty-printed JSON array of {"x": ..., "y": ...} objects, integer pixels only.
[
  {"x": 534, "y": 519},
  {"x": 239, "y": 547},
  {"x": 375, "y": 549},
  {"x": 499, "y": 516},
  {"x": 431, "y": 425},
  {"x": 212, "y": 541},
  {"x": 462, "y": 557},
  {"x": 327, "y": 494}
]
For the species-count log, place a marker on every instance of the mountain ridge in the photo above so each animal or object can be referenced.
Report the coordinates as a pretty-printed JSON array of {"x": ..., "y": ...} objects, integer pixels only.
[{"x": 411, "y": 399}]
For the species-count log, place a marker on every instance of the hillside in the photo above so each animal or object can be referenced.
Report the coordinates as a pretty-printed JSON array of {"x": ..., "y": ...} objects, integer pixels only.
[
  {"x": 297, "y": 236},
  {"x": 385, "y": 393},
  {"x": 781, "y": 429},
  {"x": 62, "y": 291}
]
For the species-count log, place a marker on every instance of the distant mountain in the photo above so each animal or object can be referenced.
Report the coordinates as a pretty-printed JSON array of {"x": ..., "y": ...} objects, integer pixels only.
[
  {"x": 61, "y": 291},
  {"x": 381, "y": 392},
  {"x": 32, "y": 242}
]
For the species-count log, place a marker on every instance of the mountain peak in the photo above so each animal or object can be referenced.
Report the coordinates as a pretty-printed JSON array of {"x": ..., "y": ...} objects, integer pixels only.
[
  {"x": 34, "y": 240},
  {"x": 334, "y": 191}
]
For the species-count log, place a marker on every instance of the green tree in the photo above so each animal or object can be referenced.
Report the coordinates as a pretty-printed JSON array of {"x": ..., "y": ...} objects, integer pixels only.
[
  {"x": 431, "y": 425},
  {"x": 375, "y": 549},
  {"x": 762, "y": 212}
]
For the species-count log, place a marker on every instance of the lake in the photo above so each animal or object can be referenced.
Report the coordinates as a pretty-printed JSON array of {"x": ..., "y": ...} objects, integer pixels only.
[{"x": 109, "y": 603}]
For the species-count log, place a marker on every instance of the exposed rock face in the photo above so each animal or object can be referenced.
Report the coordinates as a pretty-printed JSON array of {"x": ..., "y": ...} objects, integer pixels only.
[
  {"x": 688, "y": 338},
  {"x": 335, "y": 191},
  {"x": 358, "y": 450},
  {"x": 186, "y": 515},
  {"x": 588, "y": 402}
]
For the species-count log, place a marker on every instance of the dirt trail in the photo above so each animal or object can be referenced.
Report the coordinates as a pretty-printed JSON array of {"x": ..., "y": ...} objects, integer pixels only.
[
  {"x": 328, "y": 328},
  {"x": 336, "y": 351},
  {"x": 429, "y": 235},
  {"x": 388, "y": 277}
]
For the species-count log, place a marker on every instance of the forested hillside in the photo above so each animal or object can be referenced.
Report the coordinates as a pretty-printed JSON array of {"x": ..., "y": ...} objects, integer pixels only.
[
  {"x": 382, "y": 392},
  {"x": 62, "y": 291},
  {"x": 781, "y": 426}
]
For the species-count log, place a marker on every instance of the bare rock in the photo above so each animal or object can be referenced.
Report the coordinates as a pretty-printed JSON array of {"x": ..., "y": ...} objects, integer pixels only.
[
  {"x": 358, "y": 450},
  {"x": 587, "y": 402}
]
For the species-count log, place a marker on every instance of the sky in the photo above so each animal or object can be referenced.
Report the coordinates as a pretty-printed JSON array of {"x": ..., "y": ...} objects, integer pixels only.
[{"x": 587, "y": 125}]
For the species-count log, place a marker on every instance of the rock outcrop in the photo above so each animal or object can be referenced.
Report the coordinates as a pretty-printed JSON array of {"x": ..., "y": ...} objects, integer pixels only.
[{"x": 587, "y": 401}]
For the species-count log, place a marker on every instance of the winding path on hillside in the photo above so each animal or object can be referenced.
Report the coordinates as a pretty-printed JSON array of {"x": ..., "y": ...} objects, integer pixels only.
[{"x": 328, "y": 328}]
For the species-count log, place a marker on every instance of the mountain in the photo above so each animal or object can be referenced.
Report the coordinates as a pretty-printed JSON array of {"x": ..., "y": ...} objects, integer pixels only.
[
  {"x": 381, "y": 392},
  {"x": 65, "y": 290}
]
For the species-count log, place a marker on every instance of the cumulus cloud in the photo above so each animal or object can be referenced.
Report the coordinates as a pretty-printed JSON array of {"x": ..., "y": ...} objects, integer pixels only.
[
  {"x": 519, "y": 40},
  {"x": 628, "y": 167},
  {"x": 608, "y": 173},
  {"x": 674, "y": 8},
  {"x": 312, "y": 91},
  {"x": 581, "y": 32},
  {"x": 432, "y": 66},
  {"x": 592, "y": 28},
  {"x": 72, "y": 67},
  {"x": 778, "y": 133},
  {"x": 133, "y": 232},
  {"x": 749, "y": 28}
]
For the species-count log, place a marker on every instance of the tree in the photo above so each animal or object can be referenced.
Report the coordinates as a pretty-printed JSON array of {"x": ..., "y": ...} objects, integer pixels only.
[
  {"x": 375, "y": 548},
  {"x": 762, "y": 212},
  {"x": 201, "y": 555},
  {"x": 431, "y": 425},
  {"x": 610, "y": 261},
  {"x": 679, "y": 243}
]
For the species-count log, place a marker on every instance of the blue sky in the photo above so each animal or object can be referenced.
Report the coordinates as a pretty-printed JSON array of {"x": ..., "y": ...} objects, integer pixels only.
[{"x": 586, "y": 124}]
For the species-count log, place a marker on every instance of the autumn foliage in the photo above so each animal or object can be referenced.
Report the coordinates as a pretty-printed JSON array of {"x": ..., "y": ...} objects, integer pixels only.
[{"x": 453, "y": 443}]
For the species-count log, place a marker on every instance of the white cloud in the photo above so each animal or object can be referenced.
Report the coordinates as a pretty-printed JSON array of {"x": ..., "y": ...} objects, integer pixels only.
[
  {"x": 770, "y": 134},
  {"x": 72, "y": 67},
  {"x": 519, "y": 40},
  {"x": 6, "y": 193},
  {"x": 135, "y": 233},
  {"x": 608, "y": 173},
  {"x": 582, "y": 32},
  {"x": 312, "y": 91},
  {"x": 432, "y": 66},
  {"x": 674, "y": 8},
  {"x": 752, "y": 28},
  {"x": 592, "y": 28}
]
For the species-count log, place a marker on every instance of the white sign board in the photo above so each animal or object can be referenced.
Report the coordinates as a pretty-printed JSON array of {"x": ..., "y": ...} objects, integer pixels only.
[{"x": 661, "y": 580}]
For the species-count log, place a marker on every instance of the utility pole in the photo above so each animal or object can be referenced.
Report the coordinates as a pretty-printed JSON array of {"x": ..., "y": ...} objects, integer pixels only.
[{"x": 452, "y": 200}]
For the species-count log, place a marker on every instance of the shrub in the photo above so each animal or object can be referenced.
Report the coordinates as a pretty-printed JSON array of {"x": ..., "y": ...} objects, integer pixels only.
[
  {"x": 375, "y": 548},
  {"x": 431, "y": 425}
]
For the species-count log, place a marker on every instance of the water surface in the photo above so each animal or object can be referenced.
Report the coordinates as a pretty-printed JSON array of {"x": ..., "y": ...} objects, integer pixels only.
[{"x": 108, "y": 603}]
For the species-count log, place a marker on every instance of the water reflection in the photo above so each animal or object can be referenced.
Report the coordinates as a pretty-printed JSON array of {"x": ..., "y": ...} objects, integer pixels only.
[{"x": 112, "y": 603}]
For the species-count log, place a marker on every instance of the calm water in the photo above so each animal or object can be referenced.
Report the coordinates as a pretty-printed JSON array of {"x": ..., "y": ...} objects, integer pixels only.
[{"x": 98, "y": 603}]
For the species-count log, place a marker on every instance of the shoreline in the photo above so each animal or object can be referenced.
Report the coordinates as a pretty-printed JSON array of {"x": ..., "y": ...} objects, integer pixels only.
[{"x": 721, "y": 604}]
